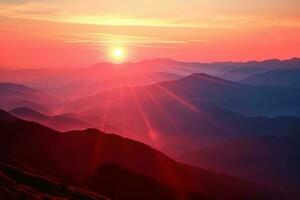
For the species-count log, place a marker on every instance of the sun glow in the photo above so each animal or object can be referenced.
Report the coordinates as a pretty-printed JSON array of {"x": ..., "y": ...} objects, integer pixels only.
[{"x": 118, "y": 54}]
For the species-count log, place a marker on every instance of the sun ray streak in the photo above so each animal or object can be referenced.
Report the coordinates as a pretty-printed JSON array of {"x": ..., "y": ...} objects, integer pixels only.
[
  {"x": 170, "y": 174},
  {"x": 178, "y": 98},
  {"x": 161, "y": 108}
]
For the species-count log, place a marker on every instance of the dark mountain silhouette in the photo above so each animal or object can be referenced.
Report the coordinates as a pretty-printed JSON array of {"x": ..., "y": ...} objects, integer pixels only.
[
  {"x": 15, "y": 95},
  {"x": 23, "y": 112},
  {"x": 267, "y": 159},
  {"x": 131, "y": 185},
  {"x": 17, "y": 184},
  {"x": 58, "y": 122},
  {"x": 5, "y": 117},
  {"x": 76, "y": 156},
  {"x": 283, "y": 77}
]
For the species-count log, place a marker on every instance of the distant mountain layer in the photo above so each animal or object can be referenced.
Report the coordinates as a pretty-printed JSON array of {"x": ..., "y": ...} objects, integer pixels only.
[
  {"x": 283, "y": 78},
  {"x": 58, "y": 122},
  {"x": 79, "y": 157},
  {"x": 79, "y": 82},
  {"x": 16, "y": 184},
  {"x": 193, "y": 111},
  {"x": 15, "y": 95},
  {"x": 198, "y": 89},
  {"x": 238, "y": 71},
  {"x": 243, "y": 99}
]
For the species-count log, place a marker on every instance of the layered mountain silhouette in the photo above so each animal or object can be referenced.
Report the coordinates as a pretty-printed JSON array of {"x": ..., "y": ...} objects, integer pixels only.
[
  {"x": 239, "y": 118},
  {"x": 238, "y": 71},
  {"x": 62, "y": 122},
  {"x": 16, "y": 95},
  {"x": 266, "y": 101},
  {"x": 79, "y": 82},
  {"x": 199, "y": 89},
  {"x": 80, "y": 157},
  {"x": 267, "y": 159},
  {"x": 196, "y": 110},
  {"x": 283, "y": 78}
]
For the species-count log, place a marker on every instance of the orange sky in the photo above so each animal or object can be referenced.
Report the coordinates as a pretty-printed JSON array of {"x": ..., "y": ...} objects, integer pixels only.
[{"x": 52, "y": 33}]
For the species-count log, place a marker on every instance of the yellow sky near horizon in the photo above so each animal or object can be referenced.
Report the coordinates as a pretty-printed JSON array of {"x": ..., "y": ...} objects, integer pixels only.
[{"x": 178, "y": 13}]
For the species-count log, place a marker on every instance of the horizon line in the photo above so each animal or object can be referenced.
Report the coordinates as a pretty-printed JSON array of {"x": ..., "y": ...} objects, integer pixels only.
[{"x": 150, "y": 59}]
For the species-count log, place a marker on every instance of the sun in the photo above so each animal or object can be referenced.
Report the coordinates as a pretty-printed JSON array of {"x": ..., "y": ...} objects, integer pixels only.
[{"x": 118, "y": 54}]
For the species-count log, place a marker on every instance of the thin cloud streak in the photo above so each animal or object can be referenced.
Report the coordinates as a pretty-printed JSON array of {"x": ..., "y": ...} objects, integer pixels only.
[{"x": 50, "y": 12}]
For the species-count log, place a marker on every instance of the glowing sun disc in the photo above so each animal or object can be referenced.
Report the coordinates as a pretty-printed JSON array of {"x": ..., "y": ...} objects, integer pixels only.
[{"x": 117, "y": 54}]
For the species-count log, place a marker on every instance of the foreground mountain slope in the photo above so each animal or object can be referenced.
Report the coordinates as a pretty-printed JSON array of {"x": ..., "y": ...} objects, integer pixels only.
[
  {"x": 75, "y": 156},
  {"x": 267, "y": 159},
  {"x": 131, "y": 185},
  {"x": 16, "y": 184}
]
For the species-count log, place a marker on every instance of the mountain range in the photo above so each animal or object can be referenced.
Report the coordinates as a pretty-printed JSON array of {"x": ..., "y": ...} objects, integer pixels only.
[
  {"x": 19, "y": 184},
  {"x": 272, "y": 160},
  {"x": 73, "y": 82},
  {"x": 280, "y": 77},
  {"x": 29, "y": 146},
  {"x": 184, "y": 130},
  {"x": 196, "y": 110},
  {"x": 62, "y": 122},
  {"x": 16, "y": 95}
]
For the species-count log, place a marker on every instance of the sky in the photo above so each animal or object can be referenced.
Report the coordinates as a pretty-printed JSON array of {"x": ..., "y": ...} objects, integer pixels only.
[{"x": 73, "y": 33}]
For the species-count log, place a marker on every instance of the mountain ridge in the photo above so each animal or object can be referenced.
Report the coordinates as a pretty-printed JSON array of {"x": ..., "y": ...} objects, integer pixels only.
[{"x": 98, "y": 148}]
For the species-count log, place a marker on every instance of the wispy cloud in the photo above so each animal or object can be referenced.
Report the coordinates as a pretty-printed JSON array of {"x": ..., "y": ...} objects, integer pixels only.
[
  {"x": 107, "y": 40},
  {"x": 51, "y": 12}
]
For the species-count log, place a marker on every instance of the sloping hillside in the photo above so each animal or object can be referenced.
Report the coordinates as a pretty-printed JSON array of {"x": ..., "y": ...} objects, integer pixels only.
[
  {"x": 75, "y": 156},
  {"x": 62, "y": 122},
  {"x": 16, "y": 184},
  {"x": 15, "y": 95}
]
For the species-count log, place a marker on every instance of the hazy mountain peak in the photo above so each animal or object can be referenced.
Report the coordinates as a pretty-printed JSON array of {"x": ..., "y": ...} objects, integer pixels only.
[
  {"x": 6, "y": 117},
  {"x": 16, "y": 86},
  {"x": 25, "y": 109},
  {"x": 28, "y": 112},
  {"x": 209, "y": 79}
]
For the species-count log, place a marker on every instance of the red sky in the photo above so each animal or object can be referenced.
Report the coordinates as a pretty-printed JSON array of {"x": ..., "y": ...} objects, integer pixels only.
[{"x": 35, "y": 34}]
